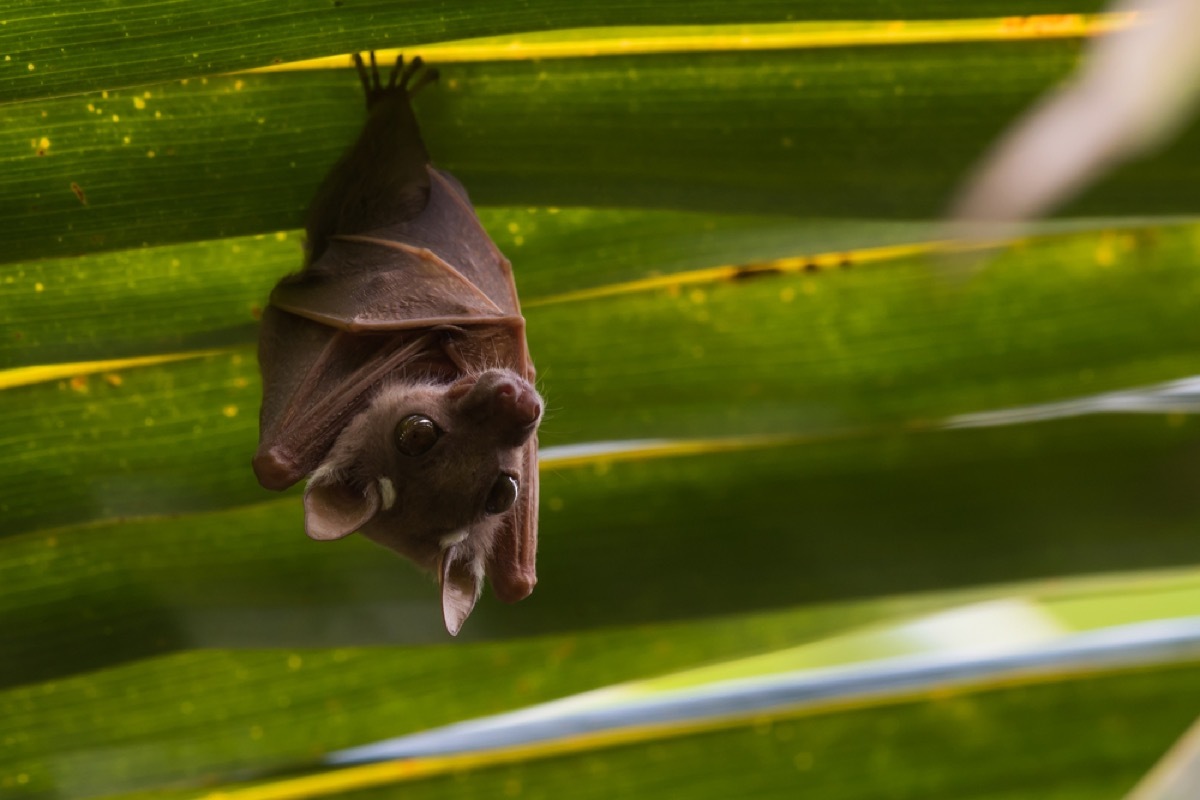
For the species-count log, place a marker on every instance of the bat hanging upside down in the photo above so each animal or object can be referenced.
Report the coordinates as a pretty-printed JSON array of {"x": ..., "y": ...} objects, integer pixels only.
[{"x": 396, "y": 376}]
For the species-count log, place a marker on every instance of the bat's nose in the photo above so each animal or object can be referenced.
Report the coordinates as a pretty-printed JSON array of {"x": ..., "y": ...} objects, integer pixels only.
[
  {"x": 505, "y": 398},
  {"x": 519, "y": 403}
]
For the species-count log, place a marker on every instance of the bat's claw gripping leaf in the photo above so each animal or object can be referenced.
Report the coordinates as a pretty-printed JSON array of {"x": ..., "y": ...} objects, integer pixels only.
[{"x": 401, "y": 80}]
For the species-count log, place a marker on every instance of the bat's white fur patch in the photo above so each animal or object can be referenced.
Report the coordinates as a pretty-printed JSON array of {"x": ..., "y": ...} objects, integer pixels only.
[
  {"x": 451, "y": 539},
  {"x": 387, "y": 493},
  {"x": 477, "y": 569},
  {"x": 326, "y": 473}
]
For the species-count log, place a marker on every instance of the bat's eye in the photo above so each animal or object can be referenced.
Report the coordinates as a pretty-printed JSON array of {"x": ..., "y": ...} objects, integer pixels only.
[
  {"x": 502, "y": 495},
  {"x": 415, "y": 434}
]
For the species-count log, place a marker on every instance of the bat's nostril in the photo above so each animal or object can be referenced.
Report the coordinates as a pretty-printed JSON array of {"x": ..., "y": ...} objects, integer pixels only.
[
  {"x": 517, "y": 403},
  {"x": 526, "y": 408}
]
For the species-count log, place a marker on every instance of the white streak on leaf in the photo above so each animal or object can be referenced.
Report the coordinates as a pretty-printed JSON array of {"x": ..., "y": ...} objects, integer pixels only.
[{"x": 1136, "y": 88}]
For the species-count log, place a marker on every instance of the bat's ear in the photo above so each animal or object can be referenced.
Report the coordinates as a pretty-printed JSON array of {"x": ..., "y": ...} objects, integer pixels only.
[
  {"x": 460, "y": 589},
  {"x": 333, "y": 509}
]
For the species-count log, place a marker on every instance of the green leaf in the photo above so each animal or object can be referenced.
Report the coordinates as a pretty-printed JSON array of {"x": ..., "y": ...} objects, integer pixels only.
[
  {"x": 83, "y": 45},
  {"x": 763, "y": 132},
  {"x": 885, "y": 344}
]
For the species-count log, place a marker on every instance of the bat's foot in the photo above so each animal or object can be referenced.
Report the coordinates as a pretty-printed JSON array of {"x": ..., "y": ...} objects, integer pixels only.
[{"x": 404, "y": 78}]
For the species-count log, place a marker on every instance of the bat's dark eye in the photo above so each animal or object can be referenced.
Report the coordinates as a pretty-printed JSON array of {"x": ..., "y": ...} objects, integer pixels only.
[
  {"x": 415, "y": 434},
  {"x": 502, "y": 495}
]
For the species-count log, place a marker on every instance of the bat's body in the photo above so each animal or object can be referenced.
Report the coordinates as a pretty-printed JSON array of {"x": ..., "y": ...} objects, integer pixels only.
[{"x": 395, "y": 370}]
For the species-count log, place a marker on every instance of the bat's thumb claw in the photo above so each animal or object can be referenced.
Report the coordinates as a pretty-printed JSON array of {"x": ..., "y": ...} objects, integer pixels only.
[
  {"x": 514, "y": 587},
  {"x": 274, "y": 470}
]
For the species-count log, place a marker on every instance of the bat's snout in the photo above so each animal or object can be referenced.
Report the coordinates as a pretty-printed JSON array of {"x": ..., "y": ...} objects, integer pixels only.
[
  {"x": 502, "y": 395},
  {"x": 519, "y": 403}
]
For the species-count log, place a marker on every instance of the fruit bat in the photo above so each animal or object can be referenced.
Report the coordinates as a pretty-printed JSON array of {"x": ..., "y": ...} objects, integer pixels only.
[{"x": 396, "y": 375}]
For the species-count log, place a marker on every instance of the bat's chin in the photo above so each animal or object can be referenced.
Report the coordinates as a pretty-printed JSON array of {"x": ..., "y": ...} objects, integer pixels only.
[{"x": 398, "y": 538}]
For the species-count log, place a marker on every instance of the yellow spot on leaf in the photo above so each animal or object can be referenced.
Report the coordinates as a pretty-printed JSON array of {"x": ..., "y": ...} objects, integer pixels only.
[
  {"x": 230, "y": 411},
  {"x": 150, "y": 154},
  {"x": 237, "y": 85},
  {"x": 116, "y": 117},
  {"x": 79, "y": 383},
  {"x": 697, "y": 296},
  {"x": 281, "y": 236},
  {"x": 39, "y": 287},
  {"x": 139, "y": 103},
  {"x": 294, "y": 662},
  {"x": 787, "y": 294},
  {"x": 44, "y": 143},
  {"x": 113, "y": 379}
]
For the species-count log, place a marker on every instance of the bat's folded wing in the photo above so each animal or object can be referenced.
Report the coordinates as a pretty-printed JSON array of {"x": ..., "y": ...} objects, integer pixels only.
[
  {"x": 512, "y": 565},
  {"x": 363, "y": 284},
  {"x": 449, "y": 226}
]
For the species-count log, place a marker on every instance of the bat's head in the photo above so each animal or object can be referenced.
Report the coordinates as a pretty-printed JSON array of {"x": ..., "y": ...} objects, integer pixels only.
[{"x": 443, "y": 474}]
